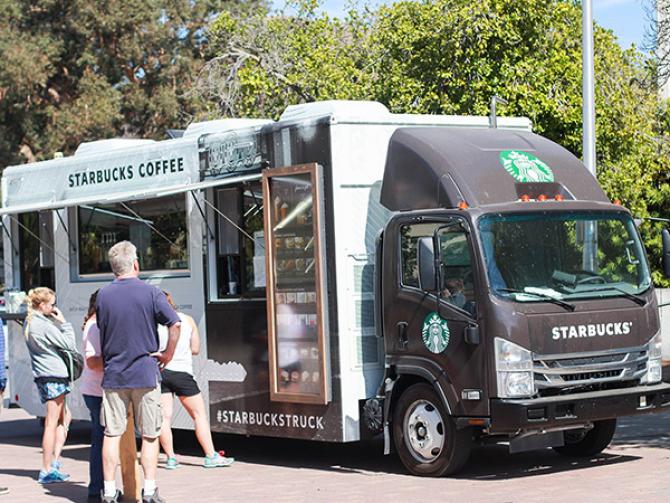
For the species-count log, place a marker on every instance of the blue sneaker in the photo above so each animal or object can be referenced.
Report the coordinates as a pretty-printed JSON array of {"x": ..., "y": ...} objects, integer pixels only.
[
  {"x": 56, "y": 465},
  {"x": 217, "y": 460},
  {"x": 52, "y": 477},
  {"x": 62, "y": 475},
  {"x": 171, "y": 464}
]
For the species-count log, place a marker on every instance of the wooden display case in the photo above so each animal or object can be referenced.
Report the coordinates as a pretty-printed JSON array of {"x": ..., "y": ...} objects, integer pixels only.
[{"x": 297, "y": 317}]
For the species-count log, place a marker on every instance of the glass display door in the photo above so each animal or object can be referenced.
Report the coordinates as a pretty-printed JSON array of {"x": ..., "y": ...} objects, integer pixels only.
[{"x": 297, "y": 321}]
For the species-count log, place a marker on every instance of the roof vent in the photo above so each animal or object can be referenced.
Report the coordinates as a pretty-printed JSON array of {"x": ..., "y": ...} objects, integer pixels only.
[
  {"x": 221, "y": 126},
  {"x": 173, "y": 134},
  {"x": 340, "y": 110}
]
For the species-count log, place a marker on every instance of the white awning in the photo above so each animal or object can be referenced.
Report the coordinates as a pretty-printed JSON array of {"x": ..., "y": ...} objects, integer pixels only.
[
  {"x": 97, "y": 199},
  {"x": 208, "y": 184}
]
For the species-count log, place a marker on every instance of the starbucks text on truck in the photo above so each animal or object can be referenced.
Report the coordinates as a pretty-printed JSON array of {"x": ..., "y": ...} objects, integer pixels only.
[
  {"x": 118, "y": 173},
  {"x": 591, "y": 330}
]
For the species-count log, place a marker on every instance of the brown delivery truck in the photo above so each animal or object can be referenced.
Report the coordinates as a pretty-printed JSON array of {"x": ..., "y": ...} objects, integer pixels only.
[
  {"x": 514, "y": 300},
  {"x": 355, "y": 272}
]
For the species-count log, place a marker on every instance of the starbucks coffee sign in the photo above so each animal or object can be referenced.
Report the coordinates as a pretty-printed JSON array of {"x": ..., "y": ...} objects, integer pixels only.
[
  {"x": 435, "y": 333},
  {"x": 525, "y": 167}
]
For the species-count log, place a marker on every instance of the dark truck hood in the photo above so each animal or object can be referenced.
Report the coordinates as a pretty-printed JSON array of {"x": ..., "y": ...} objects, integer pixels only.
[{"x": 594, "y": 330}]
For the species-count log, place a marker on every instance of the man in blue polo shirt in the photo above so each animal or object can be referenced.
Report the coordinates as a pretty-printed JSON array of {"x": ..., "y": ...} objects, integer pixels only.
[{"x": 128, "y": 312}]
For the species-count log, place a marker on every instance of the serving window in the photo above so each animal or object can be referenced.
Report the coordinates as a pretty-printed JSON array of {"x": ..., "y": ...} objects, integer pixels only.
[
  {"x": 240, "y": 247},
  {"x": 157, "y": 227}
]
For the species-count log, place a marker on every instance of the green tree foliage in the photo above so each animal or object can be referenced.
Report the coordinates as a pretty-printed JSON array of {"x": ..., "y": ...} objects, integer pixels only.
[
  {"x": 264, "y": 62},
  {"x": 75, "y": 70},
  {"x": 450, "y": 57}
]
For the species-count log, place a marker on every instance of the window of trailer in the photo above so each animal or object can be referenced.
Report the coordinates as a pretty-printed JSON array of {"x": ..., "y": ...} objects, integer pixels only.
[
  {"x": 36, "y": 249},
  {"x": 157, "y": 227}
]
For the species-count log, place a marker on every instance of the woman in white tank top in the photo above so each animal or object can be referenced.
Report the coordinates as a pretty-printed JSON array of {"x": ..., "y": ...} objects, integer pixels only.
[
  {"x": 187, "y": 346},
  {"x": 177, "y": 379}
]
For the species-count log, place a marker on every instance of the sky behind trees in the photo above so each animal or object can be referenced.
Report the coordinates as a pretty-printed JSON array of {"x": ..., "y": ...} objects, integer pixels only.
[{"x": 627, "y": 18}]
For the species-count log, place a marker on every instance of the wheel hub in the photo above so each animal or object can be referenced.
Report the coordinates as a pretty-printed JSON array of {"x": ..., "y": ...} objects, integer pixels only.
[{"x": 424, "y": 431}]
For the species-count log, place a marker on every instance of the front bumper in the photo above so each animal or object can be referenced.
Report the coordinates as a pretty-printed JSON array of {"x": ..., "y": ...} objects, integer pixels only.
[{"x": 509, "y": 416}]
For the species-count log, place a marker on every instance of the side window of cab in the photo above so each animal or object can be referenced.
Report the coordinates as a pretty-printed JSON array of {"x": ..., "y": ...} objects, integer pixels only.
[
  {"x": 456, "y": 269},
  {"x": 456, "y": 263},
  {"x": 409, "y": 238}
]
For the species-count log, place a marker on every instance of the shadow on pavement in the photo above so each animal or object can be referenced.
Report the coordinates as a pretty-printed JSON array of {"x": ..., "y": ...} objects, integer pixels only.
[
  {"x": 496, "y": 463},
  {"x": 486, "y": 463},
  {"x": 643, "y": 431},
  {"x": 28, "y": 433},
  {"x": 68, "y": 491},
  {"x": 358, "y": 457}
]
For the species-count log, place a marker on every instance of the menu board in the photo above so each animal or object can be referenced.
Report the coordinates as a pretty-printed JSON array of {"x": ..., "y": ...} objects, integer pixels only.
[{"x": 294, "y": 284}]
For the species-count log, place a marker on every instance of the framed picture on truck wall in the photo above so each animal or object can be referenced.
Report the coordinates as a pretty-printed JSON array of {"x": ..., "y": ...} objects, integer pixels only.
[{"x": 297, "y": 317}]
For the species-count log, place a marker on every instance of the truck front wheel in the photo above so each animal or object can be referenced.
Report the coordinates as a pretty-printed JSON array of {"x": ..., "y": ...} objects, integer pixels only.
[
  {"x": 585, "y": 443},
  {"x": 426, "y": 437}
]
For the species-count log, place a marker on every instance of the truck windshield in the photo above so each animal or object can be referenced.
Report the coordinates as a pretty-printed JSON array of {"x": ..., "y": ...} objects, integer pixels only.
[{"x": 540, "y": 256}]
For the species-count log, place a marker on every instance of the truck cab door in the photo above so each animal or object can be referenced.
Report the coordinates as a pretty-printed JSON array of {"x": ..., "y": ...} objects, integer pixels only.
[{"x": 425, "y": 326}]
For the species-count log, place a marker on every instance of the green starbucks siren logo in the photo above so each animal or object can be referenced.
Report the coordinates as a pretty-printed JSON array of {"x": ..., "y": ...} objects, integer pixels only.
[
  {"x": 435, "y": 333},
  {"x": 525, "y": 167}
]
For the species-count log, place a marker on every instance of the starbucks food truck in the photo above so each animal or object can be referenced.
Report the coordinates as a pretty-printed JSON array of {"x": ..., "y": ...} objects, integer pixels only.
[{"x": 355, "y": 272}]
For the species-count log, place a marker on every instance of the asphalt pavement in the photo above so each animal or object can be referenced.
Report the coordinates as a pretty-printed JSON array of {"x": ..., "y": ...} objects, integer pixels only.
[{"x": 635, "y": 468}]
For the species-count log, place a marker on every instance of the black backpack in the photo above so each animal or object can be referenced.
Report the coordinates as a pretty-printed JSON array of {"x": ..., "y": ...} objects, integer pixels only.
[{"x": 74, "y": 362}]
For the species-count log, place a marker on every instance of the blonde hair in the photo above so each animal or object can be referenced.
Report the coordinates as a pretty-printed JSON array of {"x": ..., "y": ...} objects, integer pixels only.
[
  {"x": 121, "y": 257},
  {"x": 35, "y": 297}
]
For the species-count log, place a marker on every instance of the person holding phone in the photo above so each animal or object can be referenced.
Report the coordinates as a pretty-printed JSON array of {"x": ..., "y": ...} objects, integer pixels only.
[{"x": 46, "y": 331}]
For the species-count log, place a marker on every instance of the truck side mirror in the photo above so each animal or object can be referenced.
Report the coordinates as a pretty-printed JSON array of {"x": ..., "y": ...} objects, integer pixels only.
[
  {"x": 426, "y": 260},
  {"x": 665, "y": 237}
]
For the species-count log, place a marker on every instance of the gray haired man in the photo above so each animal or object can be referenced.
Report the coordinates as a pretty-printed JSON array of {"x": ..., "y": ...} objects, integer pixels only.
[{"x": 128, "y": 314}]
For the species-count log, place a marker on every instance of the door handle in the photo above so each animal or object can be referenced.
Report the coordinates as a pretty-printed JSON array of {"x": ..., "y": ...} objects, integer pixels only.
[{"x": 402, "y": 335}]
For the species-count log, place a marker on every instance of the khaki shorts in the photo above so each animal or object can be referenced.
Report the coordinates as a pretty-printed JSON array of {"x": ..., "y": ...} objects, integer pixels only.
[{"x": 146, "y": 406}]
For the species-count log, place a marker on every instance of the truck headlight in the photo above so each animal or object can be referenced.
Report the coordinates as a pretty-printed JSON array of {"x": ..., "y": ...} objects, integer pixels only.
[
  {"x": 655, "y": 353},
  {"x": 514, "y": 370}
]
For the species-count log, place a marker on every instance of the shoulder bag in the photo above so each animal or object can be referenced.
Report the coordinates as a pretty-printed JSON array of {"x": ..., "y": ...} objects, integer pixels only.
[{"x": 74, "y": 362}]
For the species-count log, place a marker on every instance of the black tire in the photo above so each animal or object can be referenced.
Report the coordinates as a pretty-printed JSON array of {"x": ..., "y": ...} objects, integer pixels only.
[
  {"x": 581, "y": 443},
  {"x": 455, "y": 445}
]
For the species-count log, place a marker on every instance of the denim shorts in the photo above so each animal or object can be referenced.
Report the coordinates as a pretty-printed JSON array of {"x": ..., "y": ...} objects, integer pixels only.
[{"x": 50, "y": 390}]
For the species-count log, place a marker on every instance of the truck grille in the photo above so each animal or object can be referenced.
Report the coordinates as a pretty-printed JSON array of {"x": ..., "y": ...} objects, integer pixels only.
[{"x": 564, "y": 373}]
